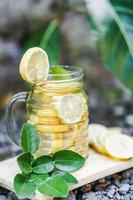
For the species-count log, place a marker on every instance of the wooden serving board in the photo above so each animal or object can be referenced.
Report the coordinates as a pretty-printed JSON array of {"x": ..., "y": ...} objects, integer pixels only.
[{"x": 97, "y": 166}]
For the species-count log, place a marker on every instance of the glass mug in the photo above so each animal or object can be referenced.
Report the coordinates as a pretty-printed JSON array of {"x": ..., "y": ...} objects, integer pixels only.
[{"x": 51, "y": 107}]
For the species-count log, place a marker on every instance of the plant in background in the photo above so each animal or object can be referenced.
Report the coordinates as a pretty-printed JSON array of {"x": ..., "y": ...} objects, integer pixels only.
[
  {"x": 48, "y": 38},
  {"x": 50, "y": 175},
  {"x": 115, "y": 38}
]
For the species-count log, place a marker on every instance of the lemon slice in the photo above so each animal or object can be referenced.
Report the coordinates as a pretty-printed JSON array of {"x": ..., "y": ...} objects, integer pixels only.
[
  {"x": 34, "y": 65},
  {"x": 53, "y": 128},
  {"x": 115, "y": 130},
  {"x": 70, "y": 108},
  {"x": 44, "y": 113},
  {"x": 43, "y": 120},
  {"x": 96, "y": 134},
  {"x": 119, "y": 146},
  {"x": 96, "y": 130},
  {"x": 55, "y": 144}
]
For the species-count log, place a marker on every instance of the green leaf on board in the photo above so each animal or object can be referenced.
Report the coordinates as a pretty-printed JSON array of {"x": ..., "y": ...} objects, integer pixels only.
[
  {"x": 38, "y": 179},
  {"x": 54, "y": 187},
  {"x": 29, "y": 138},
  {"x": 69, "y": 178},
  {"x": 68, "y": 161},
  {"x": 43, "y": 164},
  {"x": 25, "y": 162},
  {"x": 23, "y": 187}
]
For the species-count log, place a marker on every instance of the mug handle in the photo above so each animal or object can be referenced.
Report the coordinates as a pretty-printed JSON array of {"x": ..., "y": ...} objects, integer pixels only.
[{"x": 12, "y": 128}]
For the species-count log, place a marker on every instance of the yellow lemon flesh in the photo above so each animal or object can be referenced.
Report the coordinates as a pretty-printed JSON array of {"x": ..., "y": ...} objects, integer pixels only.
[
  {"x": 119, "y": 146},
  {"x": 34, "y": 65},
  {"x": 70, "y": 108}
]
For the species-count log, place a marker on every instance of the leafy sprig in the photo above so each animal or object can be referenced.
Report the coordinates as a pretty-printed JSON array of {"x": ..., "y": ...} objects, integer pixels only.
[{"x": 50, "y": 175}]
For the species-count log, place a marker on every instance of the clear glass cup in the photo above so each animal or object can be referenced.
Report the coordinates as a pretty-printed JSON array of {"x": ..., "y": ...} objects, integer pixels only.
[{"x": 45, "y": 110}]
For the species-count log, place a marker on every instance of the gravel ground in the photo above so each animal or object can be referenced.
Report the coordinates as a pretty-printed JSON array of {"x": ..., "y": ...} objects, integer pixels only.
[{"x": 115, "y": 187}]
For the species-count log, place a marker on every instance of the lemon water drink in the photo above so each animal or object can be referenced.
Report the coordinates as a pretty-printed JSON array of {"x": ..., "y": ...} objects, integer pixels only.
[
  {"x": 57, "y": 105},
  {"x": 58, "y": 109}
]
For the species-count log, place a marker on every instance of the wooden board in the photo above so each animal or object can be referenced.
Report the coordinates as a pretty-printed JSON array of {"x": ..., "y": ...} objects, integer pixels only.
[{"x": 97, "y": 166}]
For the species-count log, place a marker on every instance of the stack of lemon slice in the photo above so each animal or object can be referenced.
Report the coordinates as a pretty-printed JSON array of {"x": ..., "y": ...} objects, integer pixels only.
[{"x": 110, "y": 141}]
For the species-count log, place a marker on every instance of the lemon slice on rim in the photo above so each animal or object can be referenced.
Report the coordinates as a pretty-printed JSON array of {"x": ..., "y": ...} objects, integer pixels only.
[
  {"x": 70, "y": 108},
  {"x": 34, "y": 65},
  {"x": 119, "y": 146}
]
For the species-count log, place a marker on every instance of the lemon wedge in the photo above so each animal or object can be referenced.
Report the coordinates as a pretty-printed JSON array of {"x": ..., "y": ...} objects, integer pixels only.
[{"x": 34, "y": 65}]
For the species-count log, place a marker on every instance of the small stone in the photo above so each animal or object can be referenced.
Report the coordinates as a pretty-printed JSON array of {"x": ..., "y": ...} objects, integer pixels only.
[
  {"x": 110, "y": 193},
  {"x": 131, "y": 187},
  {"x": 131, "y": 193},
  {"x": 86, "y": 188},
  {"x": 99, "y": 195},
  {"x": 89, "y": 196},
  {"x": 113, "y": 188},
  {"x": 117, "y": 197},
  {"x": 127, "y": 197},
  {"x": 129, "y": 119},
  {"x": 2, "y": 197},
  {"x": 125, "y": 181},
  {"x": 104, "y": 192},
  {"x": 127, "y": 174},
  {"x": 117, "y": 176},
  {"x": 131, "y": 197},
  {"x": 12, "y": 196},
  {"x": 105, "y": 198},
  {"x": 124, "y": 188},
  {"x": 101, "y": 186},
  {"x": 117, "y": 183},
  {"x": 71, "y": 196},
  {"x": 102, "y": 180},
  {"x": 131, "y": 181}
]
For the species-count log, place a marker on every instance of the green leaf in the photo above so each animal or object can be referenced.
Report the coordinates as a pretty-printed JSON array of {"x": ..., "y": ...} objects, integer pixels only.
[
  {"x": 38, "y": 179},
  {"x": 68, "y": 161},
  {"x": 54, "y": 187},
  {"x": 23, "y": 187},
  {"x": 34, "y": 38},
  {"x": 60, "y": 73},
  {"x": 116, "y": 54},
  {"x": 123, "y": 15},
  {"x": 117, "y": 47},
  {"x": 48, "y": 38},
  {"x": 29, "y": 138},
  {"x": 115, "y": 43},
  {"x": 43, "y": 164},
  {"x": 25, "y": 162},
  {"x": 51, "y": 42},
  {"x": 69, "y": 178}
]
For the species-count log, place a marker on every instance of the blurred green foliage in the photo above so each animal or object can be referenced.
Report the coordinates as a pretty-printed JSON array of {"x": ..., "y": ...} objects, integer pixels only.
[
  {"x": 115, "y": 43},
  {"x": 49, "y": 39},
  {"x": 115, "y": 40}
]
